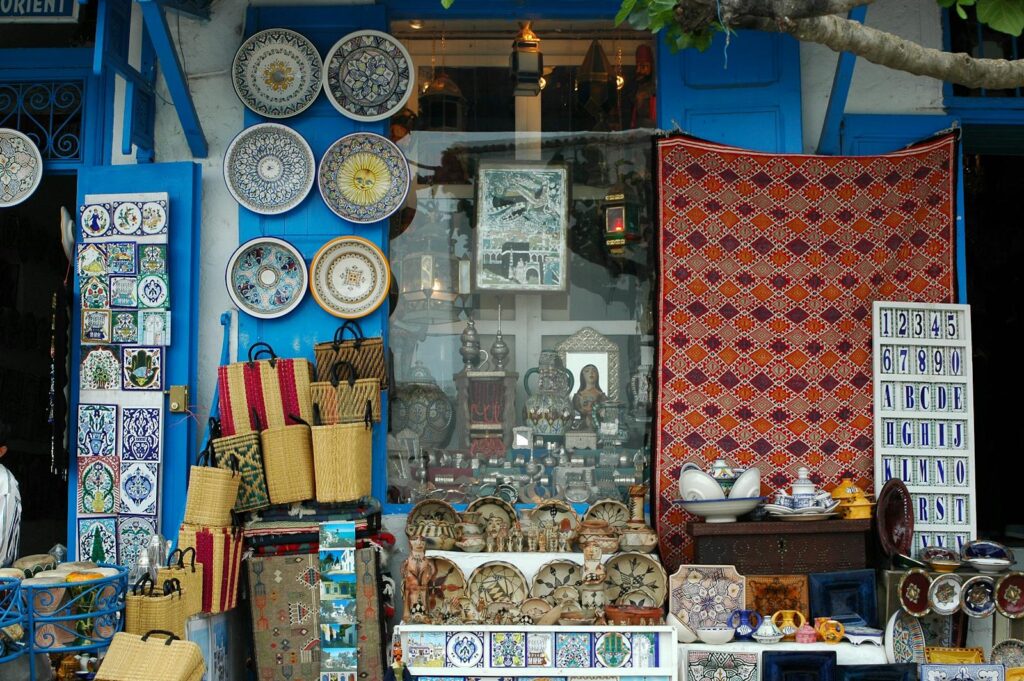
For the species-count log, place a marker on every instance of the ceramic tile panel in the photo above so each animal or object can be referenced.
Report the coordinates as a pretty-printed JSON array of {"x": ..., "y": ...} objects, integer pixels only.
[
  {"x": 95, "y": 293},
  {"x": 645, "y": 650},
  {"x": 95, "y": 326},
  {"x": 94, "y": 220},
  {"x": 142, "y": 368},
  {"x": 154, "y": 291},
  {"x": 122, "y": 257},
  {"x": 98, "y": 485},
  {"x": 124, "y": 291},
  {"x": 152, "y": 259},
  {"x": 97, "y": 539},
  {"x": 540, "y": 649},
  {"x": 100, "y": 368},
  {"x": 91, "y": 260},
  {"x": 612, "y": 649},
  {"x": 425, "y": 649},
  {"x": 133, "y": 534},
  {"x": 155, "y": 327},
  {"x": 124, "y": 327},
  {"x": 508, "y": 649},
  {"x": 962, "y": 672},
  {"x": 139, "y": 485},
  {"x": 572, "y": 649},
  {"x": 97, "y": 430},
  {"x": 464, "y": 649},
  {"x": 140, "y": 433},
  {"x": 714, "y": 666}
]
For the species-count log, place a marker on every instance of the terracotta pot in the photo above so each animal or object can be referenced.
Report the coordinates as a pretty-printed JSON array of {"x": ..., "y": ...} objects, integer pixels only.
[
  {"x": 438, "y": 534},
  {"x": 597, "y": 533},
  {"x": 638, "y": 537},
  {"x": 633, "y": 615}
]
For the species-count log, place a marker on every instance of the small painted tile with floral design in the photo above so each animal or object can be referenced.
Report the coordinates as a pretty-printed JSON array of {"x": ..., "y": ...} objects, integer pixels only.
[
  {"x": 97, "y": 430},
  {"x": 97, "y": 484},
  {"x": 125, "y": 327},
  {"x": 121, "y": 257},
  {"x": 140, "y": 433},
  {"x": 152, "y": 259},
  {"x": 142, "y": 368},
  {"x": 139, "y": 482},
  {"x": 95, "y": 326},
  {"x": 97, "y": 539},
  {"x": 508, "y": 649},
  {"x": 100, "y": 368},
  {"x": 95, "y": 294},
  {"x": 154, "y": 291},
  {"x": 133, "y": 535},
  {"x": 572, "y": 649}
]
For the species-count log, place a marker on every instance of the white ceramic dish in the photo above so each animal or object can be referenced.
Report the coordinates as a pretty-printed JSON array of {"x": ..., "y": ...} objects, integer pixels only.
[
  {"x": 989, "y": 566},
  {"x": 747, "y": 485},
  {"x": 715, "y": 635},
  {"x": 721, "y": 510},
  {"x": 684, "y": 634},
  {"x": 696, "y": 485}
]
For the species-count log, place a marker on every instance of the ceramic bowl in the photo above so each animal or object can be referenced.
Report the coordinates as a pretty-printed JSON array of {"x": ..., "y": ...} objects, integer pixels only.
[
  {"x": 747, "y": 485},
  {"x": 715, "y": 635},
  {"x": 989, "y": 566},
  {"x": 576, "y": 619},
  {"x": 984, "y": 548},
  {"x": 695, "y": 484},
  {"x": 767, "y": 639},
  {"x": 684, "y": 634},
  {"x": 722, "y": 510},
  {"x": 931, "y": 553},
  {"x": 943, "y": 565}
]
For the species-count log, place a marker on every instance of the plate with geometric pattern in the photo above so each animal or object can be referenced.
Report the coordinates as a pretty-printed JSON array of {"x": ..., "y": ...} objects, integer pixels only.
[
  {"x": 364, "y": 178},
  {"x": 368, "y": 75},
  {"x": 497, "y": 581},
  {"x": 706, "y": 595},
  {"x": 269, "y": 168},
  {"x": 632, "y": 570},
  {"x": 277, "y": 73},
  {"x": 349, "y": 277}
]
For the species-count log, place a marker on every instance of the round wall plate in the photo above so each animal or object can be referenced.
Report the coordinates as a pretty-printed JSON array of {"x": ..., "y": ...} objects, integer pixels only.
[
  {"x": 269, "y": 168},
  {"x": 266, "y": 277},
  {"x": 21, "y": 170},
  {"x": 350, "y": 277},
  {"x": 368, "y": 75},
  {"x": 277, "y": 73}
]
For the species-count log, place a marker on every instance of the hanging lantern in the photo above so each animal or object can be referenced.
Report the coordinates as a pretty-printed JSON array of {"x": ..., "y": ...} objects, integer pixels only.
[
  {"x": 442, "y": 105},
  {"x": 431, "y": 280},
  {"x": 621, "y": 222},
  {"x": 526, "y": 62}
]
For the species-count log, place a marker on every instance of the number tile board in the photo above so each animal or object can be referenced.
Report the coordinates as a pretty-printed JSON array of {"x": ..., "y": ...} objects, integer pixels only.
[{"x": 924, "y": 415}]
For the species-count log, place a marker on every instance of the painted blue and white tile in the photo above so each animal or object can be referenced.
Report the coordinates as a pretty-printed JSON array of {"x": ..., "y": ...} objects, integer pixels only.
[
  {"x": 94, "y": 220},
  {"x": 540, "y": 649},
  {"x": 645, "y": 651},
  {"x": 133, "y": 534},
  {"x": 124, "y": 292},
  {"x": 97, "y": 539},
  {"x": 962, "y": 672},
  {"x": 154, "y": 291},
  {"x": 140, "y": 434},
  {"x": 464, "y": 649},
  {"x": 508, "y": 649},
  {"x": 572, "y": 649},
  {"x": 142, "y": 368},
  {"x": 97, "y": 430},
  {"x": 139, "y": 486}
]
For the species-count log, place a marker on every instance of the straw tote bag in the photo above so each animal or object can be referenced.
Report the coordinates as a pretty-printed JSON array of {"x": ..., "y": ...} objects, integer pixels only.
[
  {"x": 366, "y": 354},
  {"x": 263, "y": 392},
  {"x": 189, "y": 575},
  {"x": 219, "y": 550},
  {"x": 162, "y": 608},
  {"x": 212, "y": 492},
  {"x": 147, "y": 658},
  {"x": 344, "y": 401},
  {"x": 288, "y": 460},
  {"x": 245, "y": 452},
  {"x": 343, "y": 458}
]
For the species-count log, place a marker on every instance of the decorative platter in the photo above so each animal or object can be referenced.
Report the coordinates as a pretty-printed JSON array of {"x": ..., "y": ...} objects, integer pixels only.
[
  {"x": 364, "y": 178},
  {"x": 611, "y": 510},
  {"x": 706, "y": 595},
  {"x": 984, "y": 548},
  {"x": 449, "y": 583},
  {"x": 943, "y": 594},
  {"x": 534, "y": 608},
  {"x": 940, "y": 655},
  {"x": 266, "y": 277},
  {"x": 904, "y": 639},
  {"x": 493, "y": 506},
  {"x": 277, "y": 73},
  {"x": 369, "y": 75},
  {"x": 350, "y": 277},
  {"x": 497, "y": 581},
  {"x": 771, "y": 593},
  {"x": 554, "y": 574},
  {"x": 1010, "y": 595},
  {"x": 21, "y": 167},
  {"x": 914, "y": 590},
  {"x": 895, "y": 518},
  {"x": 641, "y": 598},
  {"x": 631, "y": 570},
  {"x": 269, "y": 168},
  {"x": 977, "y": 597},
  {"x": 1009, "y": 653},
  {"x": 431, "y": 509},
  {"x": 555, "y": 511}
]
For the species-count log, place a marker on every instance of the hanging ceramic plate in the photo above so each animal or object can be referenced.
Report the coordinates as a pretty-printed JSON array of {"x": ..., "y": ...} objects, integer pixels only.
[
  {"x": 497, "y": 581},
  {"x": 494, "y": 506},
  {"x": 633, "y": 570},
  {"x": 1010, "y": 595},
  {"x": 895, "y": 518},
  {"x": 977, "y": 598},
  {"x": 266, "y": 277},
  {"x": 350, "y": 277},
  {"x": 448, "y": 584},
  {"x": 554, "y": 574},
  {"x": 369, "y": 75},
  {"x": 554, "y": 511},
  {"x": 431, "y": 509},
  {"x": 943, "y": 594},
  {"x": 277, "y": 73},
  {"x": 904, "y": 639},
  {"x": 705, "y": 595},
  {"x": 1009, "y": 653},
  {"x": 21, "y": 167},
  {"x": 364, "y": 178},
  {"x": 269, "y": 168},
  {"x": 913, "y": 590},
  {"x": 610, "y": 510}
]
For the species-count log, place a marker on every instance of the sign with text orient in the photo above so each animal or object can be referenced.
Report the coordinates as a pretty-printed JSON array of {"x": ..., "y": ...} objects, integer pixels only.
[{"x": 38, "y": 11}]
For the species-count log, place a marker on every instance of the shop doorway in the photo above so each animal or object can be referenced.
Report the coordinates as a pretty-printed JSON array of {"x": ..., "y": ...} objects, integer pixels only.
[{"x": 35, "y": 276}]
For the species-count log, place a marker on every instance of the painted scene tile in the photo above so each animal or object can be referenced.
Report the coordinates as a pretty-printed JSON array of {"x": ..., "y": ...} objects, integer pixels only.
[
  {"x": 508, "y": 649},
  {"x": 142, "y": 368},
  {"x": 612, "y": 649},
  {"x": 139, "y": 482},
  {"x": 95, "y": 294},
  {"x": 154, "y": 291},
  {"x": 95, "y": 220},
  {"x": 464, "y": 649},
  {"x": 127, "y": 218},
  {"x": 124, "y": 292},
  {"x": 540, "y": 649},
  {"x": 101, "y": 368},
  {"x": 155, "y": 327},
  {"x": 125, "y": 327},
  {"x": 97, "y": 485},
  {"x": 771, "y": 593},
  {"x": 154, "y": 217},
  {"x": 97, "y": 539},
  {"x": 712, "y": 666},
  {"x": 95, "y": 326},
  {"x": 425, "y": 649},
  {"x": 645, "y": 651},
  {"x": 572, "y": 649},
  {"x": 152, "y": 259},
  {"x": 92, "y": 260},
  {"x": 97, "y": 430},
  {"x": 133, "y": 534},
  {"x": 140, "y": 433},
  {"x": 121, "y": 257}
]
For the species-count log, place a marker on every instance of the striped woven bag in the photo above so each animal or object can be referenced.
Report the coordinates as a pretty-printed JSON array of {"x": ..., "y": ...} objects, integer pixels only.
[{"x": 263, "y": 393}]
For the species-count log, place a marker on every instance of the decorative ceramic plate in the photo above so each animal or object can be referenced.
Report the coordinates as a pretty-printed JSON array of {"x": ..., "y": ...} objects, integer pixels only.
[
  {"x": 555, "y": 511},
  {"x": 449, "y": 582},
  {"x": 984, "y": 548},
  {"x": 269, "y": 168},
  {"x": 641, "y": 598},
  {"x": 939, "y": 655},
  {"x": 21, "y": 167},
  {"x": 431, "y": 509},
  {"x": 277, "y": 73},
  {"x": 611, "y": 510},
  {"x": 350, "y": 277},
  {"x": 554, "y": 574},
  {"x": 494, "y": 506},
  {"x": 930, "y": 553},
  {"x": 364, "y": 178},
  {"x": 914, "y": 589},
  {"x": 1010, "y": 595},
  {"x": 369, "y": 75},
  {"x": 943, "y": 594},
  {"x": 497, "y": 581},
  {"x": 631, "y": 570},
  {"x": 704, "y": 596},
  {"x": 977, "y": 598},
  {"x": 895, "y": 518},
  {"x": 534, "y": 607},
  {"x": 1009, "y": 653},
  {"x": 266, "y": 277},
  {"x": 771, "y": 593},
  {"x": 904, "y": 639}
]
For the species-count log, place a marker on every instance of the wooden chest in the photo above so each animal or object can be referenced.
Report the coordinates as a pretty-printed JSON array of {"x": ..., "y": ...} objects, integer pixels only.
[{"x": 786, "y": 548}]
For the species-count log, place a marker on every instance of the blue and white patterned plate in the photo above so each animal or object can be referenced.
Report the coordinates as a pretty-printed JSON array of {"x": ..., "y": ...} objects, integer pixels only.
[
  {"x": 369, "y": 75},
  {"x": 269, "y": 168},
  {"x": 21, "y": 167},
  {"x": 277, "y": 73},
  {"x": 266, "y": 277},
  {"x": 364, "y": 177},
  {"x": 350, "y": 277}
]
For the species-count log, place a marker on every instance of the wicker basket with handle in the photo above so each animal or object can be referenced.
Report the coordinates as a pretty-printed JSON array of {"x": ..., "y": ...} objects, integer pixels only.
[
  {"x": 245, "y": 452},
  {"x": 343, "y": 458},
  {"x": 212, "y": 492},
  {"x": 188, "y": 574},
  {"x": 366, "y": 354},
  {"x": 152, "y": 608},
  {"x": 133, "y": 657},
  {"x": 288, "y": 461},
  {"x": 344, "y": 401},
  {"x": 273, "y": 389}
]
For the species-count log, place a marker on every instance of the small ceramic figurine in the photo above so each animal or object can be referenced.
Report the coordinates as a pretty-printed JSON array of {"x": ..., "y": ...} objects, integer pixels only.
[
  {"x": 417, "y": 573},
  {"x": 531, "y": 538},
  {"x": 542, "y": 539},
  {"x": 495, "y": 530},
  {"x": 564, "y": 540},
  {"x": 593, "y": 569}
]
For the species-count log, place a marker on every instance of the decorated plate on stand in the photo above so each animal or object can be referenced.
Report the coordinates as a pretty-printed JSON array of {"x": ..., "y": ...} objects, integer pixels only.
[
  {"x": 706, "y": 595},
  {"x": 364, "y": 178},
  {"x": 631, "y": 570},
  {"x": 493, "y": 506},
  {"x": 904, "y": 639},
  {"x": 977, "y": 598},
  {"x": 555, "y": 574},
  {"x": 1009, "y": 653},
  {"x": 611, "y": 510},
  {"x": 496, "y": 581},
  {"x": 895, "y": 518},
  {"x": 277, "y": 73},
  {"x": 914, "y": 589},
  {"x": 22, "y": 171},
  {"x": 269, "y": 168},
  {"x": 1010, "y": 595},
  {"x": 368, "y": 75},
  {"x": 448, "y": 584},
  {"x": 555, "y": 511},
  {"x": 266, "y": 277},
  {"x": 350, "y": 277},
  {"x": 943, "y": 594}
]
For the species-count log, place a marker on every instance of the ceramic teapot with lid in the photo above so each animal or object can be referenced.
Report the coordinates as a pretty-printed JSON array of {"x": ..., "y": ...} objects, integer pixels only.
[
  {"x": 548, "y": 409},
  {"x": 804, "y": 493},
  {"x": 767, "y": 632}
]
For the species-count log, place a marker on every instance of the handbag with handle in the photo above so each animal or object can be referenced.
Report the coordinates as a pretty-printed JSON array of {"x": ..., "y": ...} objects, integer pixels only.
[
  {"x": 244, "y": 452},
  {"x": 263, "y": 393},
  {"x": 162, "y": 608},
  {"x": 344, "y": 401},
  {"x": 212, "y": 491},
  {"x": 343, "y": 459},
  {"x": 219, "y": 550},
  {"x": 288, "y": 460},
  {"x": 365, "y": 354},
  {"x": 188, "y": 574},
  {"x": 133, "y": 657}
]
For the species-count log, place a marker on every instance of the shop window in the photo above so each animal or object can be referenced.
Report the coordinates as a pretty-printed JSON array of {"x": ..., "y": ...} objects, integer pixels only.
[
  {"x": 980, "y": 41},
  {"x": 523, "y": 333}
]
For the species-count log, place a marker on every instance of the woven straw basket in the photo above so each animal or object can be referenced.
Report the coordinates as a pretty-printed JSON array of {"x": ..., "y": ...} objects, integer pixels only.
[
  {"x": 149, "y": 609},
  {"x": 343, "y": 456},
  {"x": 148, "y": 658},
  {"x": 288, "y": 462},
  {"x": 189, "y": 575},
  {"x": 212, "y": 493}
]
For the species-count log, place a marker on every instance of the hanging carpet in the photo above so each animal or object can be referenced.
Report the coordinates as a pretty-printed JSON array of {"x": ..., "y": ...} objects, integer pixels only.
[{"x": 770, "y": 263}]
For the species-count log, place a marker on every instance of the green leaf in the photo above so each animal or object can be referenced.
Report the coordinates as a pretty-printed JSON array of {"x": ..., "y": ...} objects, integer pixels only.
[
  {"x": 1005, "y": 16},
  {"x": 961, "y": 12},
  {"x": 640, "y": 19},
  {"x": 624, "y": 11},
  {"x": 447, "y": 3},
  {"x": 702, "y": 41}
]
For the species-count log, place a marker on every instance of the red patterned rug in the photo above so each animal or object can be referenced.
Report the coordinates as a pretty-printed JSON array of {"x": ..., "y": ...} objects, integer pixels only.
[{"x": 769, "y": 267}]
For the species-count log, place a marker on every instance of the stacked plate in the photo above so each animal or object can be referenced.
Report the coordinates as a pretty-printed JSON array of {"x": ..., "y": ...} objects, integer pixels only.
[{"x": 803, "y": 514}]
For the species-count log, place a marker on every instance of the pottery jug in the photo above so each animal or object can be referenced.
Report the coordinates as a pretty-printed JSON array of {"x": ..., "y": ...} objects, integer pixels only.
[
  {"x": 767, "y": 632},
  {"x": 423, "y": 407},
  {"x": 829, "y": 630},
  {"x": 637, "y": 535},
  {"x": 597, "y": 533},
  {"x": 786, "y": 621},
  {"x": 548, "y": 409},
  {"x": 744, "y": 622}
]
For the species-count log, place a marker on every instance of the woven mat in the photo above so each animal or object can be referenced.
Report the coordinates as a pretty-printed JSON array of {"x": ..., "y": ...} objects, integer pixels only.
[{"x": 769, "y": 267}]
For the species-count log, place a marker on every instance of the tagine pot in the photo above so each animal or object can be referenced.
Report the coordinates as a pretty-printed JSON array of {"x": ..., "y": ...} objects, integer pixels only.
[{"x": 597, "y": 533}]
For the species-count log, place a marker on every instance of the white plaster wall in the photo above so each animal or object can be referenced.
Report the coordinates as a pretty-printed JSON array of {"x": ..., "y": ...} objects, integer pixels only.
[{"x": 875, "y": 89}]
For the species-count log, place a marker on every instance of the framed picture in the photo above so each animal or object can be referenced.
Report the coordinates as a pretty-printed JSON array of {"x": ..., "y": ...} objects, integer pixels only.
[{"x": 522, "y": 217}]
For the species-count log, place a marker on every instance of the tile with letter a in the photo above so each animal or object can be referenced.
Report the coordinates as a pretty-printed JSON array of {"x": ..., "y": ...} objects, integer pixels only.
[
  {"x": 97, "y": 430},
  {"x": 140, "y": 433}
]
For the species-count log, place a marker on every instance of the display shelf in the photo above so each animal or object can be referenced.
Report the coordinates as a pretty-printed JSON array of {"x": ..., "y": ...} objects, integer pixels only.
[
  {"x": 846, "y": 653},
  {"x": 12, "y": 613}
]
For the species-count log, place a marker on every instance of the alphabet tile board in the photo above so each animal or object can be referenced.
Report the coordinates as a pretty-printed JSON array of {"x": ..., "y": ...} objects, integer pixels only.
[{"x": 924, "y": 415}]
